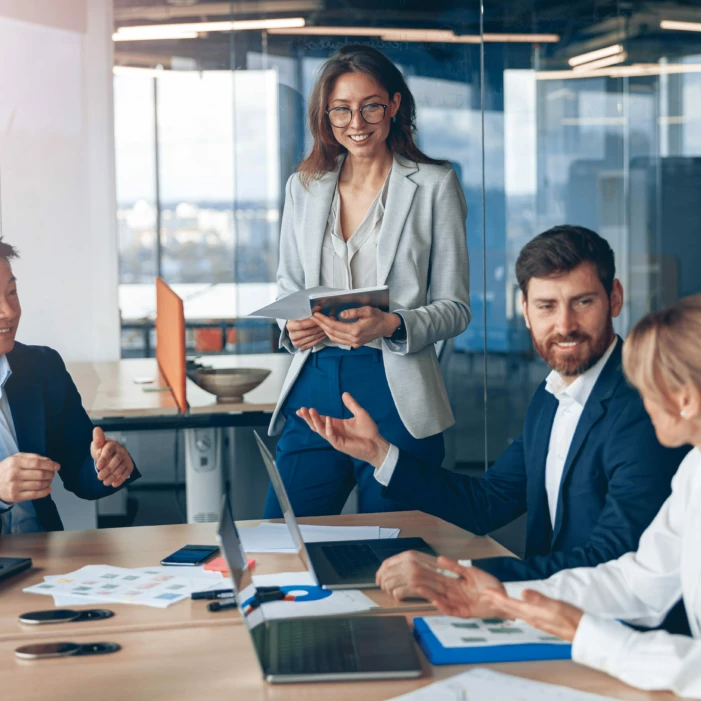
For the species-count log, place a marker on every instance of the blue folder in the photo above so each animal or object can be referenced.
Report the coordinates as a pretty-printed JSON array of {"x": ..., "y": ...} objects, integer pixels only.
[{"x": 438, "y": 655}]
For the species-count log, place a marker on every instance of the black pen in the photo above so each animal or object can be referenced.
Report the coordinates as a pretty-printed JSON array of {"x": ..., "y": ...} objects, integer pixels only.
[
  {"x": 216, "y": 606},
  {"x": 214, "y": 594}
]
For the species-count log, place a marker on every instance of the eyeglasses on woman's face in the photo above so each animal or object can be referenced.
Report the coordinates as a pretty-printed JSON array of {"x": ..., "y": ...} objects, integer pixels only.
[{"x": 372, "y": 113}]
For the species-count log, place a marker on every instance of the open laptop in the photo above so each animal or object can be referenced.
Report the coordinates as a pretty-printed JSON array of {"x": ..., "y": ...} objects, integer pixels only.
[
  {"x": 334, "y": 648},
  {"x": 10, "y": 566},
  {"x": 350, "y": 564}
]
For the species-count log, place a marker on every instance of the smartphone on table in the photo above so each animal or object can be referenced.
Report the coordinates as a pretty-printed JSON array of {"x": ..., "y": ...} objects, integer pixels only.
[{"x": 190, "y": 555}]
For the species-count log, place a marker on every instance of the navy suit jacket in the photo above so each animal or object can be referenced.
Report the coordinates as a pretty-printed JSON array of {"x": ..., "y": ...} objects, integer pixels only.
[
  {"x": 614, "y": 482},
  {"x": 50, "y": 420}
]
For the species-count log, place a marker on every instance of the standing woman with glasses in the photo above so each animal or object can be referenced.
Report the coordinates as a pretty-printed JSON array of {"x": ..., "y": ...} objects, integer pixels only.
[{"x": 365, "y": 208}]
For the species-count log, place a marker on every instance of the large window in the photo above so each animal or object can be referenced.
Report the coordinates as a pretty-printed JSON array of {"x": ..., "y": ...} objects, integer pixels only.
[{"x": 198, "y": 161}]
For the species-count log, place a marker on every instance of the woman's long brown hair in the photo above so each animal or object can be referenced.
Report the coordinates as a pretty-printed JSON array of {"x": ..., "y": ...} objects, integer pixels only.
[{"x": 357, "y": 58}]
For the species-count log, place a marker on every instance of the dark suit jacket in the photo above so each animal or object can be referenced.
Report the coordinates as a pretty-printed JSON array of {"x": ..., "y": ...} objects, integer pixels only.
[
  {"x": 614, "y": 482},
  {"x": 50, "y": 420}
]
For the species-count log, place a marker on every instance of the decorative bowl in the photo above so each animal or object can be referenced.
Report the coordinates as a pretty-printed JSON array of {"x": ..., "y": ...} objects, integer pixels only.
[{"x": 228, "y": 384}]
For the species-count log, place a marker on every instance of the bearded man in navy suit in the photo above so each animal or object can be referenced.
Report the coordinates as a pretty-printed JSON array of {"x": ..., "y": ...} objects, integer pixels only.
[{"x": 588, "y": 469}]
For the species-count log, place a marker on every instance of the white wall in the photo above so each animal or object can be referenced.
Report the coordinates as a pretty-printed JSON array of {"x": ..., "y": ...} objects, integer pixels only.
[{"x": 57, "y": 172}]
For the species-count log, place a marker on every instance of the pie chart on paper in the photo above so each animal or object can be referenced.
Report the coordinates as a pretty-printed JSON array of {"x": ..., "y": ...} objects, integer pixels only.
[
  {"x": 302, "y": 593},
  {"x": 306, "y": 593}
]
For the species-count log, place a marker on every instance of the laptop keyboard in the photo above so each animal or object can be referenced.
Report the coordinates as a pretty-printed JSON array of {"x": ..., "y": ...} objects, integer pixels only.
[
  {"x": 314, "y": 646},
  {"x": 351, "y": 561}
]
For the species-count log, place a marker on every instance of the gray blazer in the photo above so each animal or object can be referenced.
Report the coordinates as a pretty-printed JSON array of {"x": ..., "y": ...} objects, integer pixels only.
[{"x": 421, "y": 255}]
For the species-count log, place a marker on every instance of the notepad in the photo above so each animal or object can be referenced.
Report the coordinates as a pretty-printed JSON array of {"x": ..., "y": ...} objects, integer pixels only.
[{"x": 451, "y": 640}]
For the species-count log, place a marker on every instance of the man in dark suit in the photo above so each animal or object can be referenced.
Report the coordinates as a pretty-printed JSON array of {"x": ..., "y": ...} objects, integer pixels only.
[
  {"x": 44, "y": 428},
  {"x": 588, "y": 469}
]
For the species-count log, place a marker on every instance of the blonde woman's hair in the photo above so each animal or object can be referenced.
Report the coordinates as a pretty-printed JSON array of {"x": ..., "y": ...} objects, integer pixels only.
[{"x": 662, "y": 352}]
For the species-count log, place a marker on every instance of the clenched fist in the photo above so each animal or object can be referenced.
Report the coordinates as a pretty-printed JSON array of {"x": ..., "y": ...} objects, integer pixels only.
[{"x": 26, "y": 476}]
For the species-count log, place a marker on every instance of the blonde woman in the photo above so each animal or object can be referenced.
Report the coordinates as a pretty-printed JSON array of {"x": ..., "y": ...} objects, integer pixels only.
[{"x": 662, "y": 360}]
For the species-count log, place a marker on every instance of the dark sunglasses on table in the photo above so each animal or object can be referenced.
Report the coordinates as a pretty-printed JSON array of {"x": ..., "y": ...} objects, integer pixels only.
[{"x": 372, "y": 113}]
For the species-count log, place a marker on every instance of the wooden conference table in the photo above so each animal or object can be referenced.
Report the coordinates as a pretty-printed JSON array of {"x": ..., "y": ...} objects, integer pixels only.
[{"x": 184, "y": 652}]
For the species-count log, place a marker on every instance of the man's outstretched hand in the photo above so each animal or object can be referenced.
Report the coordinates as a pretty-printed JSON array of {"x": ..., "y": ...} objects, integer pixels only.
[{"x": 357, "y": 437}]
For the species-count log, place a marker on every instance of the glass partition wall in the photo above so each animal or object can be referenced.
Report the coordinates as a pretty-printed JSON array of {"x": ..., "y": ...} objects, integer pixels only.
[
  {"x": 551, "y": 111},
  {"x": 600, "y": 130}
]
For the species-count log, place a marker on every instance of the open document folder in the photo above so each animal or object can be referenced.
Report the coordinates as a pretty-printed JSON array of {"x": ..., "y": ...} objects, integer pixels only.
[
  {"x": 448, "y": 640},
  {"x": 298, "y": 304}
]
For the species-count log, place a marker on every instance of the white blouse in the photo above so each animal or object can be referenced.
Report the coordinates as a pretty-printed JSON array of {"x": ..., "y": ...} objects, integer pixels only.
[
  {"x": 640, "y": 588},
  {"x": 352, "y": 264}
]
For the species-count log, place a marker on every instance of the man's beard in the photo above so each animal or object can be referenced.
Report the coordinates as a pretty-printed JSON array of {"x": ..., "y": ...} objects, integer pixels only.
[{"x": 586, "y": 356}]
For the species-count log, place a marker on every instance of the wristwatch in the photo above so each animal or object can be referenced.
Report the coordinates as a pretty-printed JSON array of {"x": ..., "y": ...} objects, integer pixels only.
[{"x": 399, "y": 335}]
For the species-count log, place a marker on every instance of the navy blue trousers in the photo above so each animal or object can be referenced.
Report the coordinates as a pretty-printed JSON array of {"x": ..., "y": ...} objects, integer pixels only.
[{"x": 319, "y": 478}]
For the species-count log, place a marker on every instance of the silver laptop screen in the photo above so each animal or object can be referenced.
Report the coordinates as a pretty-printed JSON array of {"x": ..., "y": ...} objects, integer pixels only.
[{"x": 285, "y": 505}]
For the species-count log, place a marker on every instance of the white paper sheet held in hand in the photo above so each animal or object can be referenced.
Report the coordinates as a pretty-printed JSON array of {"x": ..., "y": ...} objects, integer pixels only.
[
  {"x": 275, "y": 537},
  {"x": 294, "y": 306},
  {"x": 486, "y": 685}
]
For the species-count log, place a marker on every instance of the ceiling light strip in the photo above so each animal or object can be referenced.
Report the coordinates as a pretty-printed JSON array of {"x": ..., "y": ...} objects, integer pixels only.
[
  {"x": 522, "y": 38},
  {"x": 445, "y": 36},
  {"x": 168, "y": 31},
  {"x": 680, "y": 26},
  {"x": 601, "y": 63},
  {"x": 636, "y": 70},
  {"x": 154, "y": 37},
  {"x": 594, "y": 55}
]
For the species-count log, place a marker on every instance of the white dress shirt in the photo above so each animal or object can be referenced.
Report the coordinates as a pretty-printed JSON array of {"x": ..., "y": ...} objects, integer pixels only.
[
  {"x": 20, "y": 517},
  {"x": 571, "y": 400},
  {"x": 640, "y": 588},
  {"x": 352, "y": 264}
]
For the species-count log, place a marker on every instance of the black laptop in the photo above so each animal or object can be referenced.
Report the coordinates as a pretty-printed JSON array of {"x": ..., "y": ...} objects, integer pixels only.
[
  {"x": 350, "y": 564},
  {"x": 13, "y": 565},
  {"x": 334, "y": 648}
]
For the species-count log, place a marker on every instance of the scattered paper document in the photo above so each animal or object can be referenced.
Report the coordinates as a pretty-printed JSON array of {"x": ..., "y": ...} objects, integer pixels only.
[
  {"x": 309, "y": 599},
  {"x": 486, "y": 685},
  {"x": 275, "y": 537},
  {"x": 477, "y": 632},
  {"x": 294, "y": 306},
  {"x": 159, "y": 587}
]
